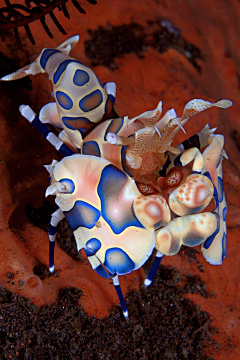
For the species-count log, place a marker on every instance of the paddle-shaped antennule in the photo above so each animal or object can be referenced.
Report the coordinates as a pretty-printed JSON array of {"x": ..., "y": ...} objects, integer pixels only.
[
  {"x": 145, "y": 151},
  {"x": 195, "y": 106},
  {"x": 148, "y": 118}
]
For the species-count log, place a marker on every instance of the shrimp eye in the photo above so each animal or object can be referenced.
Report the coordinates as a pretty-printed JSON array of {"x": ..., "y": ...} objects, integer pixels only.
[{"x": 69, "y": 185}]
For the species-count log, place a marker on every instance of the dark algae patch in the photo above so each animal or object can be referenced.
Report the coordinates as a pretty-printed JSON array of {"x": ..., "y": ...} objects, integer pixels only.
[
  {"x": 163, "y": 325},
  {"x": 108, "y": 43}
]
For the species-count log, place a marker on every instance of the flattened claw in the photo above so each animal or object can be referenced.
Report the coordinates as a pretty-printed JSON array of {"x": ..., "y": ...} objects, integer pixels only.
[
  {"x": 190, "y": 230},
  {"x": 193, "y": 196},
  {"x": 152, "y": 211}
]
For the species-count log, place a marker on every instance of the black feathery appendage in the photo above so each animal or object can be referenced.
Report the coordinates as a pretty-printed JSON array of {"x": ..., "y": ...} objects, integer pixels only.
[{"x": 12, "y": 16}]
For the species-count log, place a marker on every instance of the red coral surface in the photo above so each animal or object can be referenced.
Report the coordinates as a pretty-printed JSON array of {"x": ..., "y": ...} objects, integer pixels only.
[{"x": 197, "y": 56}]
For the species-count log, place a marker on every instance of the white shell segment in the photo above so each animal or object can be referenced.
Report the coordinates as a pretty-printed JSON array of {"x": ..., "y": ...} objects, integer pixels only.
[
  {"x": 66, "y": 85},
  {"x": 85, "y": 172},
  {"x": 137, "y": 243},
  {"x": 99, "y": 208},
  {"x": 49, "y": 114}
]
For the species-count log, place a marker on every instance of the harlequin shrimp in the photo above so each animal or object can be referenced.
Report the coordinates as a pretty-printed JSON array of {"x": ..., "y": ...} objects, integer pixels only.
[
  {"x": 81, "y": 100},
  {"x": 118, "y": 226},
  {"x": 101, "y": 192}
]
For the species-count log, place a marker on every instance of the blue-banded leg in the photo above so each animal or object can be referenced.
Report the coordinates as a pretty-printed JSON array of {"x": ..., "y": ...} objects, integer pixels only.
[
  {"x": 33, "y": 118},
  {"x": 154, "y": 268},
  {"x": 103, "y": 271},
  {"x": 56, "y": 217},
  {"x": 120, "y": 295}
]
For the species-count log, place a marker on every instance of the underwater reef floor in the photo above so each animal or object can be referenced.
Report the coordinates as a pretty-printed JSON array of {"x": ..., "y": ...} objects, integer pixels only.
[{"x": 163, "y": 325}]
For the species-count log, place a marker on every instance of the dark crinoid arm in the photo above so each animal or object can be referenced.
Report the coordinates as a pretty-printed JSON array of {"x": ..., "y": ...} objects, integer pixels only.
[{"x": 12, "y": 16}]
